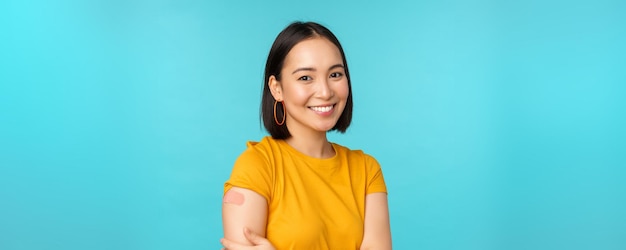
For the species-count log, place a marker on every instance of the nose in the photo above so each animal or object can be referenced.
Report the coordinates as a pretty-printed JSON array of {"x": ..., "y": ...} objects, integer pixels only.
[{"x": 324, "y": 90}]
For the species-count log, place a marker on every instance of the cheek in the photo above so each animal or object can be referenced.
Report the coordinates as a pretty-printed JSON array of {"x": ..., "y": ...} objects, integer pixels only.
[
  {"x": 342, "y": 90},
  {"x": 295, "y": 95}
]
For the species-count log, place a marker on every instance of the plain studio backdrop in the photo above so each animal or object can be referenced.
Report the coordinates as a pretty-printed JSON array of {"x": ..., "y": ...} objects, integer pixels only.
[{"x": 499, "y": 125}]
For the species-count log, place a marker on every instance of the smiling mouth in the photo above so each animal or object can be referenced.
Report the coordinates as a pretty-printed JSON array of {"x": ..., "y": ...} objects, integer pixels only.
[{"x": 322, "y": 109}]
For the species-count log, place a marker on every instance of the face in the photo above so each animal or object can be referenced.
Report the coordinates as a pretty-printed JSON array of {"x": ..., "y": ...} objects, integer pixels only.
[{"x": 313, "y": 86}]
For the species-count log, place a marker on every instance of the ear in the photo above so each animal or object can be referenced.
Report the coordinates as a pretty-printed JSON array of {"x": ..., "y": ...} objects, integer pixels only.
[{"x": 275, "y": 88}]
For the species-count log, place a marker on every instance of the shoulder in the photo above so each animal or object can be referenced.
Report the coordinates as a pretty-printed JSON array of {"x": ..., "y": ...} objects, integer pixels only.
[
  {"x": 363, "y": 165},
  {"x": 267, "y": 143},
  {"x": 259, "y": 147},
  {"x": 255, "y": 162},
  {"x": 253, "y": 170},
  {"x": 259, "y": 151},
  {"x": 356, "y": 155}
]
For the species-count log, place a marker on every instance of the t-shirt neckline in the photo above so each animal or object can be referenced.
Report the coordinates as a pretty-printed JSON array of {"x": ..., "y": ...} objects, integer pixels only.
[{"x": 291, "y": 149}]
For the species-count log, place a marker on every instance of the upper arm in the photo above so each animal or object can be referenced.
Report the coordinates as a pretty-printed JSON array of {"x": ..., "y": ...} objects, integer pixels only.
[
  {"x": 377, "y": 231},
  {"x": 243, "y": 208}
]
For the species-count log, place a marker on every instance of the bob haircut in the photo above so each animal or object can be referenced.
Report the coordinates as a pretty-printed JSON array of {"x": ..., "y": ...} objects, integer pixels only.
[{"x": 285, "y": 41}]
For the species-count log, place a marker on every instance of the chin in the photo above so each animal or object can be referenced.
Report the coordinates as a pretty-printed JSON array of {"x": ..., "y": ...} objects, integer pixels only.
[{"x": 325, "y": 128}]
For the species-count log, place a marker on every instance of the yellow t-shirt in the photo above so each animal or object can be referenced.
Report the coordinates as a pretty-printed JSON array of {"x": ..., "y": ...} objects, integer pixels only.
[{"x": 312, "y": 203}]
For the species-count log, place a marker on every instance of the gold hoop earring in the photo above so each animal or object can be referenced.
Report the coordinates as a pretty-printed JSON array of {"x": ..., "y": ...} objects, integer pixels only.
[{"x": 284, "y": 113}]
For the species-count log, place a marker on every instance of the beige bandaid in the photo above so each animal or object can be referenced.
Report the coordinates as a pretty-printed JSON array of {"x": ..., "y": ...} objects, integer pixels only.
[{"x": 233, "y": 197}]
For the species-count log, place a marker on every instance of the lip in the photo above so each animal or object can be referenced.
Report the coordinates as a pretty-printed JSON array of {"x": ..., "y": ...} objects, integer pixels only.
[{"x": 324, "y": 113}]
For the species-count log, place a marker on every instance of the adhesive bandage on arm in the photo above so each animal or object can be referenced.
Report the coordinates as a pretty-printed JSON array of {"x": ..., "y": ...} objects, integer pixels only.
[{"x": 233, "y": 197}]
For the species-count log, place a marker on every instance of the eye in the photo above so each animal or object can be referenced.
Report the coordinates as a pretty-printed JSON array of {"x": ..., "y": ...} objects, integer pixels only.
[
  {"x": 336, "y": 75},
  {"x": 305, "y": 78}
]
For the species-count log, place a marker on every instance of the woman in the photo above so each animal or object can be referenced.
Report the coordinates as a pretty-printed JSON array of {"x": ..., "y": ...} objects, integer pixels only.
[{"x": 295, "y": 189}]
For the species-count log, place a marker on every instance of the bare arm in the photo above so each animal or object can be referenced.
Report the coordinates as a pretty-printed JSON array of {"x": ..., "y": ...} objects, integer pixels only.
[
  {"x": 377, "y": 231},
  {"x": 243, "y": 208}
]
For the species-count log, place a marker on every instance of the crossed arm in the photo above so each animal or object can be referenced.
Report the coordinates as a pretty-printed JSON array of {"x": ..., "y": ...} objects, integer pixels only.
[
  {"x": 377, "y": 232},
  {"x": 244, "y": 218}
]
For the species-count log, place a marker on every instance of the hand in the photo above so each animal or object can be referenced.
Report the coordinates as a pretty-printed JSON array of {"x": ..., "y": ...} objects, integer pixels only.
[{"x": 258, "y": 242}]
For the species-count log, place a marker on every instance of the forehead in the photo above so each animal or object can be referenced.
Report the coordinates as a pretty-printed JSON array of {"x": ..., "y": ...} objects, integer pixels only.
[{"x": 313, "y": 52}]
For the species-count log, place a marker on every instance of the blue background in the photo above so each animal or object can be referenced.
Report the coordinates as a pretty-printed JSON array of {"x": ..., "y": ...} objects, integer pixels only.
[{"x": 499, "y": 125}]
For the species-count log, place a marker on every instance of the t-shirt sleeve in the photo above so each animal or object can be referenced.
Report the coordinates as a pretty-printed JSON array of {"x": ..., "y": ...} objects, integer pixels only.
[
  {"x": 251, "y": 171},
  {"x": 375, "y": 179}
]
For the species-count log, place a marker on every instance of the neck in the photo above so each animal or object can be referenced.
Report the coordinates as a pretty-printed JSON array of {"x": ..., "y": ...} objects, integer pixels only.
[{"x": 312, "y": 144}]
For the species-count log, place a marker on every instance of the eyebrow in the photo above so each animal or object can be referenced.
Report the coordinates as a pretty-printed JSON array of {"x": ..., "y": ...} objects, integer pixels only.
[{"x": 339, "y": 65}]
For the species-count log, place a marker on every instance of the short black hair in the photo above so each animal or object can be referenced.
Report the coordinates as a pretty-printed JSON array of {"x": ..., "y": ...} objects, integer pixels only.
[{"x": 284, "y": 42}]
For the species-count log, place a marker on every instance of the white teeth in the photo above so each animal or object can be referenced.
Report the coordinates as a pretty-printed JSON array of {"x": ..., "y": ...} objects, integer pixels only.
[{"x": 322, "y": 109}]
